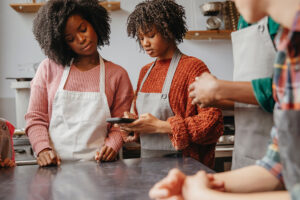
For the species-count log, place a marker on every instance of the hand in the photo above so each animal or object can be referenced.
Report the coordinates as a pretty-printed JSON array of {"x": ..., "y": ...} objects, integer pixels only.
[
  {"x": 170, "y": 187},
  {"x": 147, "y": 123},
  {"x": 106, "y": 154},
  {"x": 126, "y": 135},
  {"x": 216, "y": 184},
  {"x": 200, "y": 186},
  {"x": 48, "y": 157},
  {"x": 203, "y": 91},
  {"x": 7, "y": 163}
]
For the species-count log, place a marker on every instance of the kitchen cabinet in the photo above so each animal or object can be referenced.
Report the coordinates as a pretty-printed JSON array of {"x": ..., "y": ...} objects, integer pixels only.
[
  {"x": 34, "y": 7},
  {"x": 209, "y": 34}
]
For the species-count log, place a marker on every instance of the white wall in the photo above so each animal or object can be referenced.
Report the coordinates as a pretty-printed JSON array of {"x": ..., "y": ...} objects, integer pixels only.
[{"x": 19, "y": 50}]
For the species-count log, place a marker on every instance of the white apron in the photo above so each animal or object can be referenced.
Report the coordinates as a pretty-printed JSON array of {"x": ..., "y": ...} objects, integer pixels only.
[
  {"x": 157, "y": 104},
  {"x": 78, "y": 124},
  {"x": 254, "y": 55}
]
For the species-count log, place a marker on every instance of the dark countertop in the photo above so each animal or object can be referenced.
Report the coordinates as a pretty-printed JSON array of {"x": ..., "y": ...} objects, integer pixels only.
[{"x": 124, "y": 179}]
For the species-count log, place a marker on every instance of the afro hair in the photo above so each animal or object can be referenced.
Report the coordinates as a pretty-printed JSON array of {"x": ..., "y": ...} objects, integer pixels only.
[
  {"x": 50, "y": 21},
  {"x": 167, "y": 16}
]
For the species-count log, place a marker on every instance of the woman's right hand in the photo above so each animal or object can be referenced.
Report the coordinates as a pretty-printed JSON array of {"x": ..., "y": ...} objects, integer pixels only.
[
  {"x": 48, "y": 157},
  {"x": 203, "y": 91}
]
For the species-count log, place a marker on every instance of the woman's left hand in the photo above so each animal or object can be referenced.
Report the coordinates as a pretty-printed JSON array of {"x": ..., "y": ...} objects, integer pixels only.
[
  {"x": 198, "y": 186},
  {"x": 147, "y": 123},
  {"x": 170, "y": 187},
  {"x": 106, "y": 154}
]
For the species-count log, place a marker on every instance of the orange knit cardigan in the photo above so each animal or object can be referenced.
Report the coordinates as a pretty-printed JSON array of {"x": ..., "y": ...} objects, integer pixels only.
[{"x": 195, "y": 130}]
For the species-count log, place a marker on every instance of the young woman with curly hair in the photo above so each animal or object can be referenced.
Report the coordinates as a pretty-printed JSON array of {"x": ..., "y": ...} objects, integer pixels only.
[
  {"x": 75, "y": 89},
  {"x": 169, "y": 124}
]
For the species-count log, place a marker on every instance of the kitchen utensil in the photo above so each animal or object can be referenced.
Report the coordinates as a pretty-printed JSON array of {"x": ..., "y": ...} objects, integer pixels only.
[
  {"x": 213, "y": 23},
  {"x": 211, "y": 8}
]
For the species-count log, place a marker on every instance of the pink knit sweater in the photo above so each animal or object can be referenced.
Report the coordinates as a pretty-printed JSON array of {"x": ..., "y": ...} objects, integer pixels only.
[{"x": 118, "y": 90}]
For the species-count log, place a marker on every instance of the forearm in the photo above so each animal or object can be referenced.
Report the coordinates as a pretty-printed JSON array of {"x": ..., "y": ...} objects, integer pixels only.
[
  {"x": 224, "y": 104},
  {"x": 273, "y": 195},
  {"x": 203, "y": 128},
  {"x": 163, "y": 127},
  {"x": 39, "y": 138},
  {"x": 249, "y": 179},
  {"x": 114, "y": 139},
  {"x": 236, "y": 91}
]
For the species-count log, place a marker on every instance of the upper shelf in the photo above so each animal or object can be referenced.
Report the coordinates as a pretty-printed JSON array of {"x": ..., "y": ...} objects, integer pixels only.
[
  {"x": 34, "y": 7},
  {"x": 211, "y": 34}
]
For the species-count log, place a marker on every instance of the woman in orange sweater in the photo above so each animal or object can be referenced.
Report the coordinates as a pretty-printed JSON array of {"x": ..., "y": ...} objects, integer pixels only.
[{"x": 168, "y": 122}]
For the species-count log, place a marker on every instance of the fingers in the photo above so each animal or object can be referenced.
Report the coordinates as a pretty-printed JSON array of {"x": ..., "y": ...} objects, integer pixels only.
[
  {"x": 58, "y": 160},
  {"x": 102, "y": 152},
  {"x": 156, "y": 193},
  {"x": 48, "y": 157},
  {"x": 130, "y": 115},
  {"x": 216, "y": 184},
  {"x": 191, "y": 87},
  {"x": 107, "y": 154},
  {"x": 111, "y": 156},
  {"x": 131, "y": 127},
  {"x": 169, "y": 187},
  {"x": 130, "y": 138},
  {"x": 201, "y": 174},
  {"x": 42, "y": 161}
]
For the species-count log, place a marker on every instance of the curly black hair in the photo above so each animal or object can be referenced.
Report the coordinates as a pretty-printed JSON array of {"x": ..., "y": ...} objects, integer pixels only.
[
  {"x": 167, "y": 16},
  {"x": 50, "y": 21}
]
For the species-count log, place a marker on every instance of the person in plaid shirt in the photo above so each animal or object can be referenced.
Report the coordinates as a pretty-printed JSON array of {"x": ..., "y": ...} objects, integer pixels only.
[{"x": 280, "y": 168}]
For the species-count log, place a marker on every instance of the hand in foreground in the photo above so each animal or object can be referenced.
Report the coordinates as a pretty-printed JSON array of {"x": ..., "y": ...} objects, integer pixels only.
[
  {"x": 7, "y": 163},
  {"x": 203, "y": 90},
  {"x": 48, "y": 157},
  {"x": 127, "y": 137},
  {"x": 147, "y": 123},
  {"x": 170, "y": 187},
  {"x": 201, "y": 186},
  {"x": 106, "y": 154}
]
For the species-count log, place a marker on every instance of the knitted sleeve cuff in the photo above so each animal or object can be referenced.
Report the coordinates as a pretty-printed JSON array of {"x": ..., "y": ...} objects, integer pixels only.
[
  {"x": 179, "y": 136},
  {"x": 114, "y": 140},
  {"x": 39, "y": 138}
]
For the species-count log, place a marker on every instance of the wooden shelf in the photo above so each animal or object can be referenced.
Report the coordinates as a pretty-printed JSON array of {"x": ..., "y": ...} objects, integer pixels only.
[
  {"x": 34, "y": 7},
  {"x": 207, "y": 35}
]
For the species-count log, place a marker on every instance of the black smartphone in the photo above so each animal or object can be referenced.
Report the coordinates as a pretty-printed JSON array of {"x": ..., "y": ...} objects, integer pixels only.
[{"x": 119, "y": 120}]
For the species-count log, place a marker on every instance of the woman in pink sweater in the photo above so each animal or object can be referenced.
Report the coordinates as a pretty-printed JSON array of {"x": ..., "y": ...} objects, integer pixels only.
[{"x": 75, "y": 89}]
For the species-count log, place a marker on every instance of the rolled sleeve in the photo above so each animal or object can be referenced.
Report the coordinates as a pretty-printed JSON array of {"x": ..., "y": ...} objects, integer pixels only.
[
  {"x": 263, "y": 93},
  {"x": 271, "y": 160}
]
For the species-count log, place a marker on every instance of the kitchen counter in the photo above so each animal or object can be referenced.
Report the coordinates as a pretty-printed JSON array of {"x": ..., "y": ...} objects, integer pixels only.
[{"x": 124, "y": 179}]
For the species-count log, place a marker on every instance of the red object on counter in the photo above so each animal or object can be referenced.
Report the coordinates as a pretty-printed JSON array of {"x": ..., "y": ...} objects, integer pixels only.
[
  {"x": 11, "y": 131},
  {"x": 6, "y": 140}
]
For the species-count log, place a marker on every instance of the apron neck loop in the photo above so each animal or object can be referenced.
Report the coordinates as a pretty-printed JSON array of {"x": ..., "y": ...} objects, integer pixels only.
[
  {"x": 171, "y": 71},
  {"x": 101, "y": 78}
]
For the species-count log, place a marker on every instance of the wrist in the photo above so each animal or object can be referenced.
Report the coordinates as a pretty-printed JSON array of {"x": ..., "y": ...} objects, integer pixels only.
[
  {"x": 164, "y": 127},
  {"x": 219, "y": 92}
]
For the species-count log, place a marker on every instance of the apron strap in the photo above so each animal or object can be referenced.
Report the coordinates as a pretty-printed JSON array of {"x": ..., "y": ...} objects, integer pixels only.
[
  {"x": 64, "y": 78},
  {"x": 102, "y": 75},
  {"x": 171, "y": 71},
  {"x": 146, "y": 75}
]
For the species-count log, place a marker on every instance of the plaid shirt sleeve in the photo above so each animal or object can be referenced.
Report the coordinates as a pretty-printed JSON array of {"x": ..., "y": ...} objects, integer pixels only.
[
  {"x": 271, "y": 160},
  {"x": 286, "y": 92}
]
